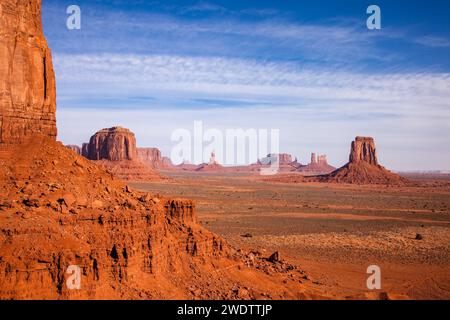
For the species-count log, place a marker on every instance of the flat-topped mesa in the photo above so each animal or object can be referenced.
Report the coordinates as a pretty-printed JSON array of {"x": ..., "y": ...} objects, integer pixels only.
[
  {"x": 113, "y": 144},
  {"x": 363, "y": 149},
  {"x": 27, "y": 80}
]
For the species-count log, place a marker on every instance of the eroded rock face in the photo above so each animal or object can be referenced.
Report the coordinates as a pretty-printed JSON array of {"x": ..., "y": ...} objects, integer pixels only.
[
  {"x": 27, "y": 81},
  {"x": 150, "y": 156},
  {"x": 363, "y": 149},
  {"x": 62, "y": 209},
  {"x": 114, "y": 144}
]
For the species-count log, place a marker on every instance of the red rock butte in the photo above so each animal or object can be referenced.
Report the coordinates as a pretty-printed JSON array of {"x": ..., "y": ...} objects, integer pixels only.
[
  {"x": 363, "y": 167},
  {"x": 114, "y": 144},
  {"x": 363, "y": 149}
]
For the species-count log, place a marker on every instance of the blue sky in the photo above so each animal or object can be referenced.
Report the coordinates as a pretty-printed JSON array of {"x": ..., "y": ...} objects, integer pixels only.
[{"x": 309, "y": 68}]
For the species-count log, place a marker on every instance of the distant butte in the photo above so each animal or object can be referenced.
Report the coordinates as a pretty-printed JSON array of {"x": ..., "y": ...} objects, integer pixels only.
[
  {"x": 318, "y": 165},
  {"x": 363, "y": 167},
  {"x": 115, "y": 150}
]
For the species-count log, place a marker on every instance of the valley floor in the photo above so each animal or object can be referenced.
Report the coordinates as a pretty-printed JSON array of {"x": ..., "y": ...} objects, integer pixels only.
[{"x": 333, "y": 232}]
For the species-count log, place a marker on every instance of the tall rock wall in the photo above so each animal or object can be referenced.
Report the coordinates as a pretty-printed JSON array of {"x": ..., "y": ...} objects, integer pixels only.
[{"x": 27, "y": 81}]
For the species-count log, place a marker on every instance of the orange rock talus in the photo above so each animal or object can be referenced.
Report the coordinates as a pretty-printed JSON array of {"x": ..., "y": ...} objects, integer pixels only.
[
  {"x": 59, "y": 209},
  {"x": 27, "y": 80}
]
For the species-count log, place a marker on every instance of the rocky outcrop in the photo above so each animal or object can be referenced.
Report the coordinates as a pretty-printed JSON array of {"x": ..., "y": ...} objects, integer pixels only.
[
  {"x": 285, "y": 162},
  {"x": 115, "y": 150},
  {"x": 363, "y": 150},
  {"x": 113, "y": 144},
  {"x": 74, "y": 148},
  {"x": 59, "y": 209},
  {"x": 283, "y": 159},
  {"x": 27, "y": 81},
  {"x": 166, "y": 163},
  {"x": 318, "y": 165},
  {"x": 363, "y": 167},
  {"x": 212, "y": 165},
  {"x": 150, "y": 156}
]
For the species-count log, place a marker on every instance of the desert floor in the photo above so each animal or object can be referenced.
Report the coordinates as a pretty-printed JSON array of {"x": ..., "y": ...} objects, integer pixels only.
[{"x": 333, "y": 232}]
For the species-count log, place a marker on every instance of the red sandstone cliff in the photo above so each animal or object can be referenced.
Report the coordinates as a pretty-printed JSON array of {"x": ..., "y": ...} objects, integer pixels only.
[{"x": 27, "y": 81}]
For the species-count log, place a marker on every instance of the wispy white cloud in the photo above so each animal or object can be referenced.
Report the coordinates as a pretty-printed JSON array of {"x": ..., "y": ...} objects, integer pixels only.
[
  {"x": 433, "y": 41},
  {"x": 279, "y": 83}
]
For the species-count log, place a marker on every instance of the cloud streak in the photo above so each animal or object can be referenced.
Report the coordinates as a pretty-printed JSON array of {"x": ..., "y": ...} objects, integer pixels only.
[{"x": 249, "y": 81}]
